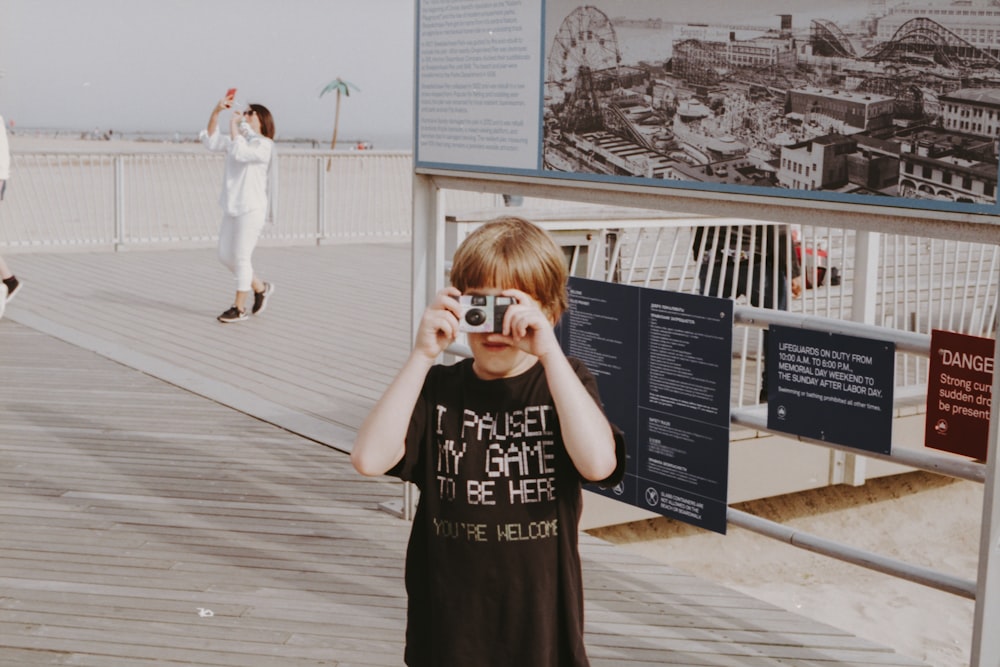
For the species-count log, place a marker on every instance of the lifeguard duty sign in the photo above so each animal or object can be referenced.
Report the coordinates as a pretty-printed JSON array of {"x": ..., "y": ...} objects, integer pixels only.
[
  {"x": 831, "y": 387},
  {"x": 959, "y": 394}
]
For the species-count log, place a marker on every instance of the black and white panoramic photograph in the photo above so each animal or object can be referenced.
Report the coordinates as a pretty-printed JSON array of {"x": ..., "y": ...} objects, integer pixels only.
[{"x": 858, "y": 97}]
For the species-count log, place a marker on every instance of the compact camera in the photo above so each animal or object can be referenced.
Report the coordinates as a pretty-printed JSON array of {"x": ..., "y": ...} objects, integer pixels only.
[{"x": 483, "y": 314}]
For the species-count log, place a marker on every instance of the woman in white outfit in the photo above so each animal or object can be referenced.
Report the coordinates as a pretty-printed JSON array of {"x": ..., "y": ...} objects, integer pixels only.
[{"x": 249, "y": 148}]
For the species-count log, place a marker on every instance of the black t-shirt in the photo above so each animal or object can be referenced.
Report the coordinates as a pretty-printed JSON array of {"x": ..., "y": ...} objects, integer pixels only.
[{"x": 492, "y": 568}]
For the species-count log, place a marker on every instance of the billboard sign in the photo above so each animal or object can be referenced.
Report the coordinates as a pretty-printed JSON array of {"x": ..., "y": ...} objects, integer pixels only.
[{"x": 804, "y": 100}]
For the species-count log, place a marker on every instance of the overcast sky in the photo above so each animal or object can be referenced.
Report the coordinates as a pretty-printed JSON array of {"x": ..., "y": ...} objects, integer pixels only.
[{"x": 160, "y": 65}]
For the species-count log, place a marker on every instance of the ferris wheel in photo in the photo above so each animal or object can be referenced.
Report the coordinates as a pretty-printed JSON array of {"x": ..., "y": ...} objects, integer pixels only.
[{"x": 586, "y": 39}]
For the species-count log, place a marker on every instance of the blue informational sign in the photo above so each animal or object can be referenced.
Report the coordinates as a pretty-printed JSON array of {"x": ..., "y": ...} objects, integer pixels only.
[
  {"x": 663, "y": 366},
  {"x": 831, "y": 387}
]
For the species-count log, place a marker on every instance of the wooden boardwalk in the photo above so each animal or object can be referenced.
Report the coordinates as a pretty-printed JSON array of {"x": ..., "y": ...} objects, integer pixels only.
[{"x": 166, "y": 497}]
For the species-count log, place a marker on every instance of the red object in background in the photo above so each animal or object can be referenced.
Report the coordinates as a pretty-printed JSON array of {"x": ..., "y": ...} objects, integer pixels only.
[{"x": 813, "y": 266}]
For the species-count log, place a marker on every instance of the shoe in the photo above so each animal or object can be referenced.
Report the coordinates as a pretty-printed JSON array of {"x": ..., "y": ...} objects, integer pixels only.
[
  {"x": 260, "y": 299},
  {"x": 234, "y": 314},
  {"x": 12, "y": 291}
]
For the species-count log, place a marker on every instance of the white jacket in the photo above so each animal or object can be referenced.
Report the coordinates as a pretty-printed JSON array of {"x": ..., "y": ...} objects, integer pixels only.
[
  {"x": 245, "y": 181},
  {"x": 4, "y": 151}
]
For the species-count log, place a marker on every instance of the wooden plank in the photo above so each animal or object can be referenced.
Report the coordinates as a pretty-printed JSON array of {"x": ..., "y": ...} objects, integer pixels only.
[{"x": 127, "y": 505}]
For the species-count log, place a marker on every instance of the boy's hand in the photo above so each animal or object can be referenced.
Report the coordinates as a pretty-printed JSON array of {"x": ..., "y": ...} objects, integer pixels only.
[
  {"x": 528, "y": 325},
  {"x": 438, "y": 326}
]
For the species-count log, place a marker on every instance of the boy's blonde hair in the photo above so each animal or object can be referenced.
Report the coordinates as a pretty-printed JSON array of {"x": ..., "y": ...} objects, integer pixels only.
[{"x": 510, "y": 252}]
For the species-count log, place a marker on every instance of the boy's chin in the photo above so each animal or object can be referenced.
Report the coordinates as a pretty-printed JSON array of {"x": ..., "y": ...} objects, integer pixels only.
[{"x": 504, "y": 361}]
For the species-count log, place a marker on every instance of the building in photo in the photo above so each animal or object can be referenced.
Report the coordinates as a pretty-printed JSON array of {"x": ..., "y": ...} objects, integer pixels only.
[
  {"x": 972, "y": 111},
  {"x": 858, "y": 111},
  {"x": 946, "y": 166},
  {"x": 816, "y": 164}
]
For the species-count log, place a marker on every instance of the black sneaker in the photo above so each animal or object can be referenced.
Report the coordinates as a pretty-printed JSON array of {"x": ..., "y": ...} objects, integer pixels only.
[
  {"x": 11, "y": 291},
  {"x": 234, "y": 314},
  {"x": 260, "y": 299}
]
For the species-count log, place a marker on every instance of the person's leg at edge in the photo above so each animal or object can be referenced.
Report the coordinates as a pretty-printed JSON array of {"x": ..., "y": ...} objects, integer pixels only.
[
  {"x": 11, "y": 283},
  {"x": 227, "y": 230},
  {"x": 247, "y": 230},
  {"x": 227, "y": 256}
]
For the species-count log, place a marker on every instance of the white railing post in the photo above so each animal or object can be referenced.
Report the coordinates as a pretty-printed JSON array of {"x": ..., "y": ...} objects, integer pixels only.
[
  {"x": 320, "y": 202},
  {"x": 427, "y": 277},
  {"x": 850, "y": 468},
  {"x": 119, "y": 233},
  {"x": 986, "y": 642}
]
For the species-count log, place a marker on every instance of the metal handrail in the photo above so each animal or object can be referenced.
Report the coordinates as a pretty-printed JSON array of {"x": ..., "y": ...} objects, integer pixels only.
[
  {"x": 943, "y": 464},
  {"x": 867, "y": 559},
  {"x": 872, "y": 226}
]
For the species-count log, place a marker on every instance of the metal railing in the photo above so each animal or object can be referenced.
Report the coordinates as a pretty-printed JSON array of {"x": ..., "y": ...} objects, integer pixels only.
[
  {"x": 141, "y": 199},
  {"x": 920, "y": 283},
  {"x": 891, "y": 287},
  {"x": 169, "y": 196},
  {"x": 906, "y": 343},
  {"x": 915, "y": 285}
]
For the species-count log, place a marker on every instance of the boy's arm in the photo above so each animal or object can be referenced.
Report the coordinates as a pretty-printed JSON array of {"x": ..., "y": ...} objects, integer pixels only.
[
  {"x": 586, "y": 432},
  {"x": 381, "y": 440}
]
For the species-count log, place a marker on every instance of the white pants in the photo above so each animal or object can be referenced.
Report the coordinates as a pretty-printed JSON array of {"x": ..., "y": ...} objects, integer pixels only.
[{"x": 237, "y": 238}]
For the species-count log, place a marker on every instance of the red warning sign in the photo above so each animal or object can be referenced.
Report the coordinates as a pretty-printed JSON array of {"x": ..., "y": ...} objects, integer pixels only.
[{"x": 959, "y": 392}]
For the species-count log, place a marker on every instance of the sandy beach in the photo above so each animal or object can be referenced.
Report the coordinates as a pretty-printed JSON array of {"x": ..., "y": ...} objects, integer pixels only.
[{"x": 917, "y": 517}]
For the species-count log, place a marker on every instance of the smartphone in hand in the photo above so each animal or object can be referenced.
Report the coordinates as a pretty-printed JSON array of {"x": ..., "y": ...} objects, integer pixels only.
[{"x": 230, "y": 94}]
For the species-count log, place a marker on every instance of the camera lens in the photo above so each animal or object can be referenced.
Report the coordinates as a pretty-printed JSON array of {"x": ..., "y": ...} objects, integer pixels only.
[{"x": 475, "y": 317}]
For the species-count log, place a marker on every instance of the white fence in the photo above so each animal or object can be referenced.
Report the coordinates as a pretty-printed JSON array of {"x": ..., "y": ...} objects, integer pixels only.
[
  {"x": 920, "y": 284},
  {"x": 908, "y": 283},
  {"x": 169, "y": 196},
  {"x": 90, "y": 200}
]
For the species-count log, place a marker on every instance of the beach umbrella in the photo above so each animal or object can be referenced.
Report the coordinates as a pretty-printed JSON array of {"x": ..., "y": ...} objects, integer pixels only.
[{"x": 340, "y": 87}]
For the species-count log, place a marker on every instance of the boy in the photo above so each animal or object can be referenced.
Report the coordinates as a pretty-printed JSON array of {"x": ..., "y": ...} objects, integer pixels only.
[{"x": 498, "y": 446}]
